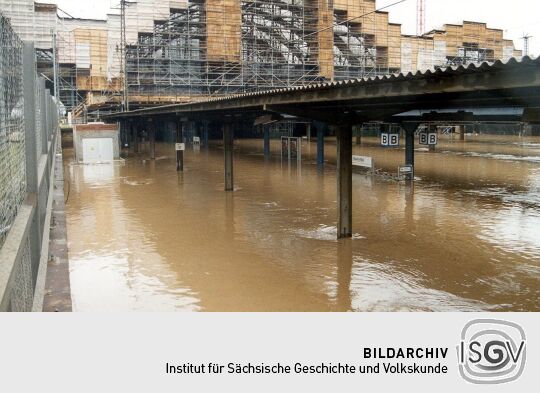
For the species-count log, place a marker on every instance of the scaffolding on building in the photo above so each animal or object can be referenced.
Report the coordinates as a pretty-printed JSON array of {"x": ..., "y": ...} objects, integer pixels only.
[
  {"x": 184, "y": 50},
  {"x": 218, "y": 47},
  {"x": 470, "y": 43}
]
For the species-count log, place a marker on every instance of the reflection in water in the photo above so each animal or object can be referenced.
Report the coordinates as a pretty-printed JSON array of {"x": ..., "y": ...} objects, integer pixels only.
[{"x": 466, "y": 237}]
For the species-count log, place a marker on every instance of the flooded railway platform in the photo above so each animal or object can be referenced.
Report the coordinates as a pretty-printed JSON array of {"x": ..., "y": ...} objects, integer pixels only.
[{"x": 465, "y": 237}]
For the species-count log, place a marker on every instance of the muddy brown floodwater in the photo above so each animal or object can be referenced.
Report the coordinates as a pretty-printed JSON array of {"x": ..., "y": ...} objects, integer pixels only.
[{"x": 465, "y": 237}]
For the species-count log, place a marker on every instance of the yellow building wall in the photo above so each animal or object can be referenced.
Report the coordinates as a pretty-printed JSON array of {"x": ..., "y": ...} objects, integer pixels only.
[
  {"x": 95, "y": 78},
  {"x": 223, "y": 29},
  {"x": 325, "y": 39}
]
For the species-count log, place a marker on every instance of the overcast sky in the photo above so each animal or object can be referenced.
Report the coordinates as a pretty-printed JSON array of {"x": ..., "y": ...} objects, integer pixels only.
[{"x": 522, "y": 17}]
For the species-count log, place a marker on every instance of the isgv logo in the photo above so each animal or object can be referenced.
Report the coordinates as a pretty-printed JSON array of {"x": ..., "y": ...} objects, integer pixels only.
[{"x": 491, "y": 351}]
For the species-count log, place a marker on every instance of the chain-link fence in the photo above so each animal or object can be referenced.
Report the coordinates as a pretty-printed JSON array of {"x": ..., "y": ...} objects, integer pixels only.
[
  {"x": 28, "y": 138},
  {"x": 12, "y": 150}
]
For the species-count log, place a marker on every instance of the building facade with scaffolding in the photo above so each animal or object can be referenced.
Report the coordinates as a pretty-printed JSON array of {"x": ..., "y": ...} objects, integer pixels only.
[{"x": 182, "y": 50}]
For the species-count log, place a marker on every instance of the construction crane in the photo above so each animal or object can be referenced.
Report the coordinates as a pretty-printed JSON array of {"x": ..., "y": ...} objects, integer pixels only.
[
  {"x": 526, "y": 37},
  {"x": 420, "y": 17}
]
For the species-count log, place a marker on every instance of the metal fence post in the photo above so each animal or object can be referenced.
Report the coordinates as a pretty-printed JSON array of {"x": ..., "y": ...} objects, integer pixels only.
[{"x": 44, "y": 120}]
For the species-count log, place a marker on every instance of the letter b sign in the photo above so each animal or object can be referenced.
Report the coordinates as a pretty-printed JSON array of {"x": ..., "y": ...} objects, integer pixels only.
[
  {"x": 389, "y": 140},
  {"x": 428, "y": 138}
]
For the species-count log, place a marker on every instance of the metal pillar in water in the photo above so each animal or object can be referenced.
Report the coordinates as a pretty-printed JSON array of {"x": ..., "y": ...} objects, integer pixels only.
[
  {"x": 409, "y": 128},
  {"x": 129, "y": 134},
  {"x": 266, "y": 131},
  {"x": 124, "y": 132},
  {"x": 205, "y": 133},
  {"x": 152, "y": 132},
  {"x": 320, "y": 144},
  {"x": 228, "y": 145},
  {"x": 179, "y": 153},
  {"x": 462, "y": 133},
  {"x": 344, "y": 180},
  {"x": 135, "y": 130},
  {"x": 197, "y": 126}
]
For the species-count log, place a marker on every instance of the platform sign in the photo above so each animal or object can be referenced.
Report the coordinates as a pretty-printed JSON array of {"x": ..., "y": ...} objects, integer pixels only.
[
  {"x": 180, "y": 146},
  {"x": 363, "y": 161},
  {"x": 406, "y": 170},
  {"x": 389, "y": 140},
  {"x": 429, "y": 138}
]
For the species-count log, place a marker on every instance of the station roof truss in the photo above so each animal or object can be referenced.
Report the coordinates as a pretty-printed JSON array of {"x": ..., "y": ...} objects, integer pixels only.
[{"x": 499, "y": 84}]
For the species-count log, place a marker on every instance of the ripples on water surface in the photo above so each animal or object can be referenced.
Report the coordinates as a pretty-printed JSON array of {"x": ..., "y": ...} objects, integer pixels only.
[{"x": 465, "y": 238}]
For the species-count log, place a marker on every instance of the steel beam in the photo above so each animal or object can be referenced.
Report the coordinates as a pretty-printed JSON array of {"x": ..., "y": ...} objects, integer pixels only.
[{"x": 514, "y": 84}]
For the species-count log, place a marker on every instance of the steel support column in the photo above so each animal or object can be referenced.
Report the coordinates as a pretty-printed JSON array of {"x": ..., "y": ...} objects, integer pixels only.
[
  {"x": 320, "y": 144},
  {"x": 344, "y": 181},
  {"x": 179, "y": 153},
  {"x": 266, "y": 131},
  {"x": 205, "y": 133},
  {"x": 359, "y": 135},
  {"x": 124, "y": 134},
  {"x": 152, "y": 136},
  {"x": 409, "y": 128},
  {"x": 228, "y": 145},
  {"x": 131, "y": 134},
  {"x": 136, "y": 126}
]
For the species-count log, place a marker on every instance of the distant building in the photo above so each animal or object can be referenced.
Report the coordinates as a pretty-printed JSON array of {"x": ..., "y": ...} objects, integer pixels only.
[{"x": 179, "y": 50}]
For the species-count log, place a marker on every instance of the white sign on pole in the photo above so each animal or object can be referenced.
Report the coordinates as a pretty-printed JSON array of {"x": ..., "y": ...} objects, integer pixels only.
[
  {"x": 406, "y": 171},
  {"x": 180, "y": 146},
  {"x": 363, "y": 161}
]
